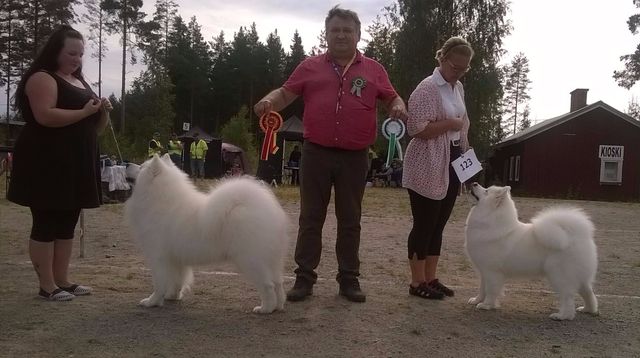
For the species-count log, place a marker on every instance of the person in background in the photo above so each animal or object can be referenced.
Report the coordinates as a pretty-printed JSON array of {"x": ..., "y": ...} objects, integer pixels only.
[
  {"x": 294, "y": 163},
  {"x": 198, "y": 154},
  {"x": 154, "y": 145},
  {"x": 174, "y": 148},
  {"x": 63, "y": 119}
]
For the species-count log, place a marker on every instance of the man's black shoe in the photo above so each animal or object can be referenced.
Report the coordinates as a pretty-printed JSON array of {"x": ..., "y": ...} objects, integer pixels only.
[
  {"x": 350, "y": 289},
  {"x": 300, "y": 290}
]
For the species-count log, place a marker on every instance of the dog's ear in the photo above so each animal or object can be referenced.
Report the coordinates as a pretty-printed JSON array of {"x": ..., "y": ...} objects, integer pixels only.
[
  {"x": 501, "y": 195},
  {"x": 167, "y": 158},
  {"x": 155, "y": 165}
]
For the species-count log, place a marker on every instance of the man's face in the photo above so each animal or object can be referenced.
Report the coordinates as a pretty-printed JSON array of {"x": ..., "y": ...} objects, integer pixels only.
[{"x": 342, "y": 36}]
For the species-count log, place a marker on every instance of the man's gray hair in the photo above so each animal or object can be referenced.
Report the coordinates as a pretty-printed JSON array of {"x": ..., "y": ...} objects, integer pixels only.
[{"x": 343, "y": 14}]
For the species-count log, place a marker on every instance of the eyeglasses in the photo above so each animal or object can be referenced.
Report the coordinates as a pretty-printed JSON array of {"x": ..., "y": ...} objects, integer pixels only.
[{"x": 458, "y": 69}]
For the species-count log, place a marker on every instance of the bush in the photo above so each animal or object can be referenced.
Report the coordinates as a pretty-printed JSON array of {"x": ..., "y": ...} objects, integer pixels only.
[{"x": 237, "y": 131}]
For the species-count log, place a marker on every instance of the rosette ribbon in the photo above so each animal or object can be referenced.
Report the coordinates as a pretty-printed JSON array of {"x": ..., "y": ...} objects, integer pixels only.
[
  {"x": 393, "y": 129},
  {"x": 270, "y": 123}
]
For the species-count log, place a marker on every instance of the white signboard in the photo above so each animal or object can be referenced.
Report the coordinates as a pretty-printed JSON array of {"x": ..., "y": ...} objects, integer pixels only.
[
  {"x": 611, "y": 152},
  {"x": 186, "y": 126},
  {"x": 467, "y": 165}
]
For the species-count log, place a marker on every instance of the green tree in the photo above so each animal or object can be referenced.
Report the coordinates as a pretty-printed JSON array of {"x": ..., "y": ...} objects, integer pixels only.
[
  {"x": 11, "y": 48},
  {"x": 631, "y": 73},
  {"x": 321, "y": 47},
  {"x": 516, "y": 91},
  {"x": 384, "y": 38},
  {"x": 123, "y": 18},
  {"x": 275, "y": 60},
  {"x": 634, "y": 109},
  {"x": 24, "y": 27},
  {"x": 154, "y": 34},
  {"x": 224, "y": 82},
  {"x": 295, "y": 56},
  {"x": 41, "y": 17},
  {"x": 526, "y": 121},
  {"x": 97, "y": 35},
  {"x": 237, "y": 131},
  {"x": 150, "y": 110},
  {"x": 190, "y": 65},
  {"x": 481, "y": 22}
]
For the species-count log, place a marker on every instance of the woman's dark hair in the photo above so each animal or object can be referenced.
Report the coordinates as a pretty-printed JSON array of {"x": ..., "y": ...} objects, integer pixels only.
[{"x": 46, "y": 59}]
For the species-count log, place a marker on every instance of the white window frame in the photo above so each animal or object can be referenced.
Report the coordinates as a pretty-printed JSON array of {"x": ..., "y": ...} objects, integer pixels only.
[
  {"x": 603, "y": 179},
  {"x": 516, "y": 176}
]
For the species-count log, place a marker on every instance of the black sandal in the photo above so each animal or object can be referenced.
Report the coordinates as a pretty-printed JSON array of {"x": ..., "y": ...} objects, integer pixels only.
[
  {"x": 424, "y": 291},
  {"x": 437, "y": 286}
]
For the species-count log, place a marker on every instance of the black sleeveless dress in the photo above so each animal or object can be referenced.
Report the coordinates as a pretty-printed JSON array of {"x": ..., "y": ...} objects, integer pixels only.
[{"x": 58, "y": 168}]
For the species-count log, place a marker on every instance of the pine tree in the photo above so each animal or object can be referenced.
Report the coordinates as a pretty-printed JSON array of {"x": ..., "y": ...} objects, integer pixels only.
[
  {"x": 123, "y": 18},
  {"x": 423, "y": 28},
  {"x": 525, "y": 122},
  {"x": 321, "y": 47},
  {"x": 222, "y": 80},
  {"x": 97, "y": 35},
  {"x": 634, "y": 109},
  {"x": 275, "y": 60},
  {"x": 295, "y": 56},
  {"x": 384, "y": 37},
  {"x": 516, "y": 90},
  {"x": 631, "y": 73}
]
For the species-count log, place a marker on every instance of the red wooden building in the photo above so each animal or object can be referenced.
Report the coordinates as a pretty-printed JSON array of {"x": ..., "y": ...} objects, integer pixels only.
[{"x": 592, "y": 152}]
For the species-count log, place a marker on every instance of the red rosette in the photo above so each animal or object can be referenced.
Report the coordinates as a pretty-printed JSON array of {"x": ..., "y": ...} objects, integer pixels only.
[{"x": 270, "y": 123}]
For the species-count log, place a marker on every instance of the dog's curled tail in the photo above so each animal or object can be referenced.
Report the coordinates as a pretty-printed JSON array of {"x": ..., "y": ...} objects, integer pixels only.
[{"x": 557, "y": 228}]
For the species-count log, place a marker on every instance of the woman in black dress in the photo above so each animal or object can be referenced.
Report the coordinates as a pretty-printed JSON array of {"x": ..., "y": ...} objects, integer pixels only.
[{"x": 55, "y": 169}]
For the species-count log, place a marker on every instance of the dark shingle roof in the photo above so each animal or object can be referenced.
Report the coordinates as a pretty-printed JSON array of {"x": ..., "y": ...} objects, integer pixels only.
[{"x": 555, "y": 121}]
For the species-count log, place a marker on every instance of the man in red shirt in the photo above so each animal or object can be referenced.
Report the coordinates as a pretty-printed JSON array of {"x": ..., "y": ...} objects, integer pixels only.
[{"x": 340, "y": 89}]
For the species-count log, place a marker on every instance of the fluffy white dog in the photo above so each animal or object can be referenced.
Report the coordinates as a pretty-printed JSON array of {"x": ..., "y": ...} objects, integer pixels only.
[
  {"x": 557, "y": 244},
  {"x": 177, "y": 227}
]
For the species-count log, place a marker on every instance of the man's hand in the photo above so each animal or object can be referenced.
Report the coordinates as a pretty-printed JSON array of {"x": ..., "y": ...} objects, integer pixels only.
[
  {"x": 263, "y": 107},
  {"x": 398, "y": 111}
]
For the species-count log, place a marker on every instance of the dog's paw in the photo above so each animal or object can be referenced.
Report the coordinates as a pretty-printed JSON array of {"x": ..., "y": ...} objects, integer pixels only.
[
  {"x": 150, "y": 302},
  {"x": 475, "y": 300},
  {"x": 174, "y": 297},
  {"x": 486, "y": 306},
  {"x": 261, "y": 310},
  {"x": 583, "y": 309},
  {"x": 561, "y": 317}
]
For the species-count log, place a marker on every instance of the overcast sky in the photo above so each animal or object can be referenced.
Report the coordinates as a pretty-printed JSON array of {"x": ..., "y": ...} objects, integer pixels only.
[{"x": 570, "y": 43}]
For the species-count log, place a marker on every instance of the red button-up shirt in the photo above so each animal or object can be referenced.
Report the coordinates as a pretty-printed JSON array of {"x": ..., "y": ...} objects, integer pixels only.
[{"x": 333, "y": 115}]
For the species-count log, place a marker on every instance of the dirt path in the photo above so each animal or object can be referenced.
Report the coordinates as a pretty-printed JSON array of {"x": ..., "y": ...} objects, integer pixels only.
[{"x": 215, "y": 319}]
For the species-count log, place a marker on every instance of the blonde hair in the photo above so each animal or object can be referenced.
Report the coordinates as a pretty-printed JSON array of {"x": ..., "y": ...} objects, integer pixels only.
[{"x": 456, "y": 45}]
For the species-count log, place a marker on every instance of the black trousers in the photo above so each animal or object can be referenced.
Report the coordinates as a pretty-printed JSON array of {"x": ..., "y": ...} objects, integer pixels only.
[
  {"x": 431, "y": 216},
  {"x": 320, "y": 169}
]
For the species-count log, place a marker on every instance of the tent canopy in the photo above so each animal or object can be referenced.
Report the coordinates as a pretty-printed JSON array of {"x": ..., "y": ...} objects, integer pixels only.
[
  {"x": 228, "y": 147},
  {"x": 201, "y": 134},
  {"x": 292, "y": 129}
]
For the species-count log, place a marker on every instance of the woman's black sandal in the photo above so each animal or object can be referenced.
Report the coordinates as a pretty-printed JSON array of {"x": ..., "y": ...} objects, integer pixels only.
[{"x": 424, "y": 291}]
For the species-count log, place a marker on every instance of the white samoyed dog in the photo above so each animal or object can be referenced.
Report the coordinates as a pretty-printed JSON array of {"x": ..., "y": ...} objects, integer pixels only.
[
  {"x": 557, "y": 244},
  {"x": 178, "y": 227}
]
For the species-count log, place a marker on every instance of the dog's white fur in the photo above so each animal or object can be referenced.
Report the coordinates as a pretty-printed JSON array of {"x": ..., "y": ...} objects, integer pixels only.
[
  {"x": 557, "y": 244},
  {"x": 178, "y": 227}
]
